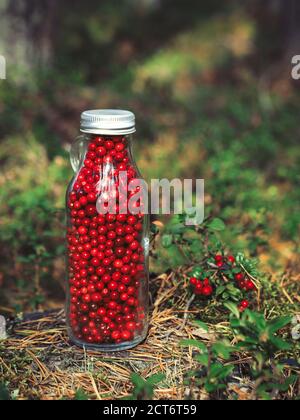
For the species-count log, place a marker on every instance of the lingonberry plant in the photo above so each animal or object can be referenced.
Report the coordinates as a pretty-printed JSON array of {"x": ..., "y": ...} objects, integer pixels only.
[
  {"x": 226, "y": 278},
  {"x": 213, "y": 373},
  {"x": 265, "y": 367},
  {"x": 144, "y": 388},
  {"x": 255, "y": 334}
]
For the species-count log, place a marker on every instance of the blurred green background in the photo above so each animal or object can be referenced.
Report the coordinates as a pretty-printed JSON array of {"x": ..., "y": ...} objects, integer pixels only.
[{"x": 210, "y": 83}]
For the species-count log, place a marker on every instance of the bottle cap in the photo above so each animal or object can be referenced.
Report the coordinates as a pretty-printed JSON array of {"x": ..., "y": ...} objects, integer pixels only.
[{"x": 107, "y": 122}]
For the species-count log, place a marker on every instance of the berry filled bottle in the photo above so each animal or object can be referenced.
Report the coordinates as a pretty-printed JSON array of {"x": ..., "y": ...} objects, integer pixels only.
[{"x": 107, "y": 235}]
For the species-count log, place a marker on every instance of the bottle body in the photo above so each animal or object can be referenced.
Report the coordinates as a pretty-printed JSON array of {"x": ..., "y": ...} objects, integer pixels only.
[{"x": 108, "y": 246}]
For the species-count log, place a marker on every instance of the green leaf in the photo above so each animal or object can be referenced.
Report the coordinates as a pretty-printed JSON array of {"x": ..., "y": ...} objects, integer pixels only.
[
  {"x": 215, "y": 369},
  {"x": 196, "y": 248},
  {"x": 80, "y": 395},
  {"x": 203, "y": 359},
  {"x": 214, "y": 387},
  {"x": 167, "y": 241},
  {"x": 287, "y": 383},
  {"x": 257, "y": 319},
  {"x": 194, "y": 343},
  {"x": 202, "y": 325},
  {"x": 233, "y": 309},
  {"x": 279, "y": 323},
  {"x": 137, "y": 380},
  {"x": 156, "y": 379},
  {"x": 4, "y": 393},
  {"x": 226, "y": 371},
  {"x": 280, "y": 344},
  {"x": 223, "y": 349},
  {"x": 220, "y": 290},
  {"x": 217, "y": 224},
  {"x": 196, "y": 272},
  {"x": 176, "y": 228}
]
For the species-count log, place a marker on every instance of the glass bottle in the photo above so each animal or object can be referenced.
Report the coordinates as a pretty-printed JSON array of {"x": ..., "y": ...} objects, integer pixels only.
[{"x": 107, "y": 235}]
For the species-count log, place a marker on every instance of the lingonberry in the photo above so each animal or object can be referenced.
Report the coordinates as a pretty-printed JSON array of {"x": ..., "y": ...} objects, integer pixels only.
[
  {"x": 131, "y": 326},
  {"x": 250, "y": 285},
  {"x": 120, "y": 147},
  {"x": 198, "y": 288},
  {"x": 207, "y": 290},
  {"x": 95, "y": 262},
  {"x": 82, "y": 230},
  {"x": 206, "y": 282},
  {"x": 124, "y": 297},
  {"x": 118, "y": 264},
  {"x": 126, "y": 335},
  {"x": 245, "y": 304},
  {"x": 113, "y": 285},
  {"x": 193, "y": 281},
  {"x": 83, "y": 201},
  {"x": 239, "y": 276},
  {"x": 109, "y": 144},
  {"x": 101, "y": 151}
]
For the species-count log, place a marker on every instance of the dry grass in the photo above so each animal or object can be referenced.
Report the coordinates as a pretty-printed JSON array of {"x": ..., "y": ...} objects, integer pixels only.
[{"x": 39, "y": 362}]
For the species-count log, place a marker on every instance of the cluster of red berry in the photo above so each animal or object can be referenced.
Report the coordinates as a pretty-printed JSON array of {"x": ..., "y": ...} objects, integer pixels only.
[
  {"x": 106, "y": 257},
  {"x": 201, "y": 287},
  {"x": 204, "y": 286}
]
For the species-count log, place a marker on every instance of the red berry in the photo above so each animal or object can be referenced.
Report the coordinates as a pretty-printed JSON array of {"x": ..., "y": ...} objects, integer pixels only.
[
  {"x": 126, "y": 335},
  {"x": 132, "y": 220},
  {"x": 113, "y": 285},
  {"x": 96, "y": 297},
  {"x": 206, "y": 282},
  {"x": 129, "y": 238},
  {"x": 119, "y": 147},
  {"x": 124, "y": 297},
  {"x": 207, "y": 291},
  {"x": 118, "y": 263},
  {"x": 245, "y": 304},
  {"x": 83, "y": 201},
  {"x": 101, "y": 151},
  {"x": 219, "y": 258},
  {"x": 116, "y": 335},
  {"x": 109, "y": 145},
  {"x": 82, "y": 230},
  {"x": 198, "y": 288},
  {"x": 91, "y": 198},
  {"x": 231, "y": 259},
  {"x": 95, "y": 262},
  {"x": 239, "y": 276},
  {"x": 193, "y": 281},
  {"x": 250, "y": 285},
  {"x": 131, "y": 326}
]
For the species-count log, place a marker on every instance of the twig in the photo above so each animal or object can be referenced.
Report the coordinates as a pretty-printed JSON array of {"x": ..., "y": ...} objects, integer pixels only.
[
  {"x": 185, "y": 318},
  {"x": 95, "y": 388},
  {"x": 255, "y": 280},
  {"x": 186, "y": 311},
  {"x": 287, "y": 295}
]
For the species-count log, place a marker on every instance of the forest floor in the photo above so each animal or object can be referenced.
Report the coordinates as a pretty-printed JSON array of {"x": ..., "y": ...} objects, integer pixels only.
[{"x": 39, "y": 362}]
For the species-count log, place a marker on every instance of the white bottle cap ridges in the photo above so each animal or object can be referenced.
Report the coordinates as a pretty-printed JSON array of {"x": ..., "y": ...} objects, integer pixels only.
[{"x": 107, "y": 122}]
